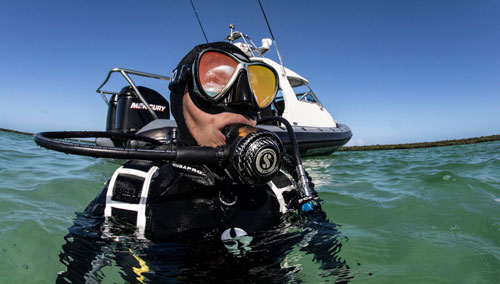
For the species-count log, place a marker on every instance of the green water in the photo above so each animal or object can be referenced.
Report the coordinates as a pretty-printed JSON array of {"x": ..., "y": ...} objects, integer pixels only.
[{"x": 404, "y": 216}]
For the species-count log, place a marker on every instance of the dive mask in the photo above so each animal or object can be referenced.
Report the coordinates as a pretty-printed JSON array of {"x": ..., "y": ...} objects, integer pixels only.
[{"x": 221, "y": 80}]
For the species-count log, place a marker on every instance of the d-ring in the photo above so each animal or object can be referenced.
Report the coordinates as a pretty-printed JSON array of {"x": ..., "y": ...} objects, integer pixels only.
[{"x": 225, "y": 202}]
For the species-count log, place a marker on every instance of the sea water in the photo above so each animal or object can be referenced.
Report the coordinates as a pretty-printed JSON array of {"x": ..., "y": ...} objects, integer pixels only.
[{"x": 401, "y": 216}]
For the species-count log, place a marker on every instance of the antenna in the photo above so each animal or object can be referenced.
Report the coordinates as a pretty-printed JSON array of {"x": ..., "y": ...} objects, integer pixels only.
[
  {"x": 274, "y": 41},
  {"x": 199, "y": 22}
]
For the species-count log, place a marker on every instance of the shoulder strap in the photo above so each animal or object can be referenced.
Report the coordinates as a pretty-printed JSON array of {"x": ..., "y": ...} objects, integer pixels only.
[{"x": 127, "y": 195}]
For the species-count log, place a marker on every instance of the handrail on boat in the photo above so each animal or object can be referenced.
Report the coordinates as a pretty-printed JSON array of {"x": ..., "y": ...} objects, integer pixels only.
[{"x": 125, "y": 73}]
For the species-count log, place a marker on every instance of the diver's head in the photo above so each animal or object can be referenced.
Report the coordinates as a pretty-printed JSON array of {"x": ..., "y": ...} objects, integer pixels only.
[{"x": 215, "y": 85}]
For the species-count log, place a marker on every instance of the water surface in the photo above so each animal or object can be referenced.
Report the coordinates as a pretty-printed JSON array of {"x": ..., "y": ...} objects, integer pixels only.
[{"x": 401, "y": 216}]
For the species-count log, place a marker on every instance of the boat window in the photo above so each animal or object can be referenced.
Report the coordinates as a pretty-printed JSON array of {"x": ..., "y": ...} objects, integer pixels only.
[
  {"x": 305, "y": 94},
  {"x": 294, "y": 82}
]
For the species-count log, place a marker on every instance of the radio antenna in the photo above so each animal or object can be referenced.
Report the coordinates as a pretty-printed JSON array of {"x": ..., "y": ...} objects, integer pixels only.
[
  {"x": 199, "y": 22},
  {"x": 274, "y": 41}
]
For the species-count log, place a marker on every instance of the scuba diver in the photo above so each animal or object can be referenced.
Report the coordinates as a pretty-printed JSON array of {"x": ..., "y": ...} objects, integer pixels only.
[
  {"x": 216, "y": 95},
  {"x": 213, "y": 87}
]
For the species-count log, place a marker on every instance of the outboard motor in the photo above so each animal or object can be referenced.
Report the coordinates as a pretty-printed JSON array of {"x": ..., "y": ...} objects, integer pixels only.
[{"x": 127, "y": 114}]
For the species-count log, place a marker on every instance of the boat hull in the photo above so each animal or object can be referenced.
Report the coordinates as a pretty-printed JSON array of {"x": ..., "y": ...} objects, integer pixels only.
[
  {"x": 311, "y": 140},
  {"x": 314, "y": 140}
]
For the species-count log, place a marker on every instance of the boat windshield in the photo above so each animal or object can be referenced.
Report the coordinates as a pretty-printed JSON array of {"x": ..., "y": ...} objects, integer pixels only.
[{"x": 304, "y": 93}]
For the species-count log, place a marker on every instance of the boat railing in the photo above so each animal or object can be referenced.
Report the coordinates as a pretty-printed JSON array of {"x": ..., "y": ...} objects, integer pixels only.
[
  {"x": 247, "y": 45},
  {"x": 125, "y": 73}
]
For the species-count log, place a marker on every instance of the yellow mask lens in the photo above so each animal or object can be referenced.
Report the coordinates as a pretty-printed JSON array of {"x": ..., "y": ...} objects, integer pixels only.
[{"x": 263, "y": 84}]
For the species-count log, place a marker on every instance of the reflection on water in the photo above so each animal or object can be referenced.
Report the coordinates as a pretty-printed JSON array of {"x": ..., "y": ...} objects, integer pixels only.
[{"x": 91, "y": 255}]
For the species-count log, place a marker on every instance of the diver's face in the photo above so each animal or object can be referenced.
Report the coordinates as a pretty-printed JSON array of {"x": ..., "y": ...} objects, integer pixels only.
[{"x": 206, "y": 127}]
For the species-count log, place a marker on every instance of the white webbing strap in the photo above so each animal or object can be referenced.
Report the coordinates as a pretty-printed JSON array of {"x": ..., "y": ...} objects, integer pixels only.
[
  {"x": 139, "y": 208},
  {"x": 279, "y": 195}
]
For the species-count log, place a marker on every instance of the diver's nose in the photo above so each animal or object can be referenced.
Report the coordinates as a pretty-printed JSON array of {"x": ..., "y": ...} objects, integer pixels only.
[{"x": 242, "y": 94}]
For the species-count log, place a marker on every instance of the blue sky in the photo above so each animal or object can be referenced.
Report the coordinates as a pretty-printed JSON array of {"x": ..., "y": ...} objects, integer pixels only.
[{"x": 394, "y": 71}]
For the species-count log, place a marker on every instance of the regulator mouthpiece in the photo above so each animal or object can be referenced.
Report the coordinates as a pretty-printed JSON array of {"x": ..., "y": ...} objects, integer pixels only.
[{"x": 255, "y": 154}]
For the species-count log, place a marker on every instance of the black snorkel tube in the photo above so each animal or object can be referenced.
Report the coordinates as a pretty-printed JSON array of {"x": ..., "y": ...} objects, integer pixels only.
[{"x": 253, "y": 155}]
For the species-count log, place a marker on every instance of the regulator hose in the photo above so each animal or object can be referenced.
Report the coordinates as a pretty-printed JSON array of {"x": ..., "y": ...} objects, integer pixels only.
[
  {"x": 303, "y": 182},
  {"x": 51, "y": 140},
  {"x": 252, "y": 154}
]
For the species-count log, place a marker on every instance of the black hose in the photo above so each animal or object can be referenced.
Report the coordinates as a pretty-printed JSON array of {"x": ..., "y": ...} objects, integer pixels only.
[
  {"x": 169, "y": 152},
  {"x": 100, "y": 134},
  {"x": 244, "y": 167},
  {"x": 50, "y": 140},
  {"x": 307, "y": 192},
  {"x": 291, "y": 135}
]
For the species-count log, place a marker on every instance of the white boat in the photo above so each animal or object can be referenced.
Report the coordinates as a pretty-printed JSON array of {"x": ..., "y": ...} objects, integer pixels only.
[
  {"x": 147, "y": 111},
  {"x": 316, "y": 131}
]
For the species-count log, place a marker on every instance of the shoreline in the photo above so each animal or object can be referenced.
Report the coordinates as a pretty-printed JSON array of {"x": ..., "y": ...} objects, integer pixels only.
[
  {"x": 378, "y": 147},
  {"x": 15, "y": 131},
  {"x": 418, "y": 145}
]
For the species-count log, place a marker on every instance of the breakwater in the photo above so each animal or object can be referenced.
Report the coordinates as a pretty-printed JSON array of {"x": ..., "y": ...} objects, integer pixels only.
[{"x": 422, "y": 144}]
